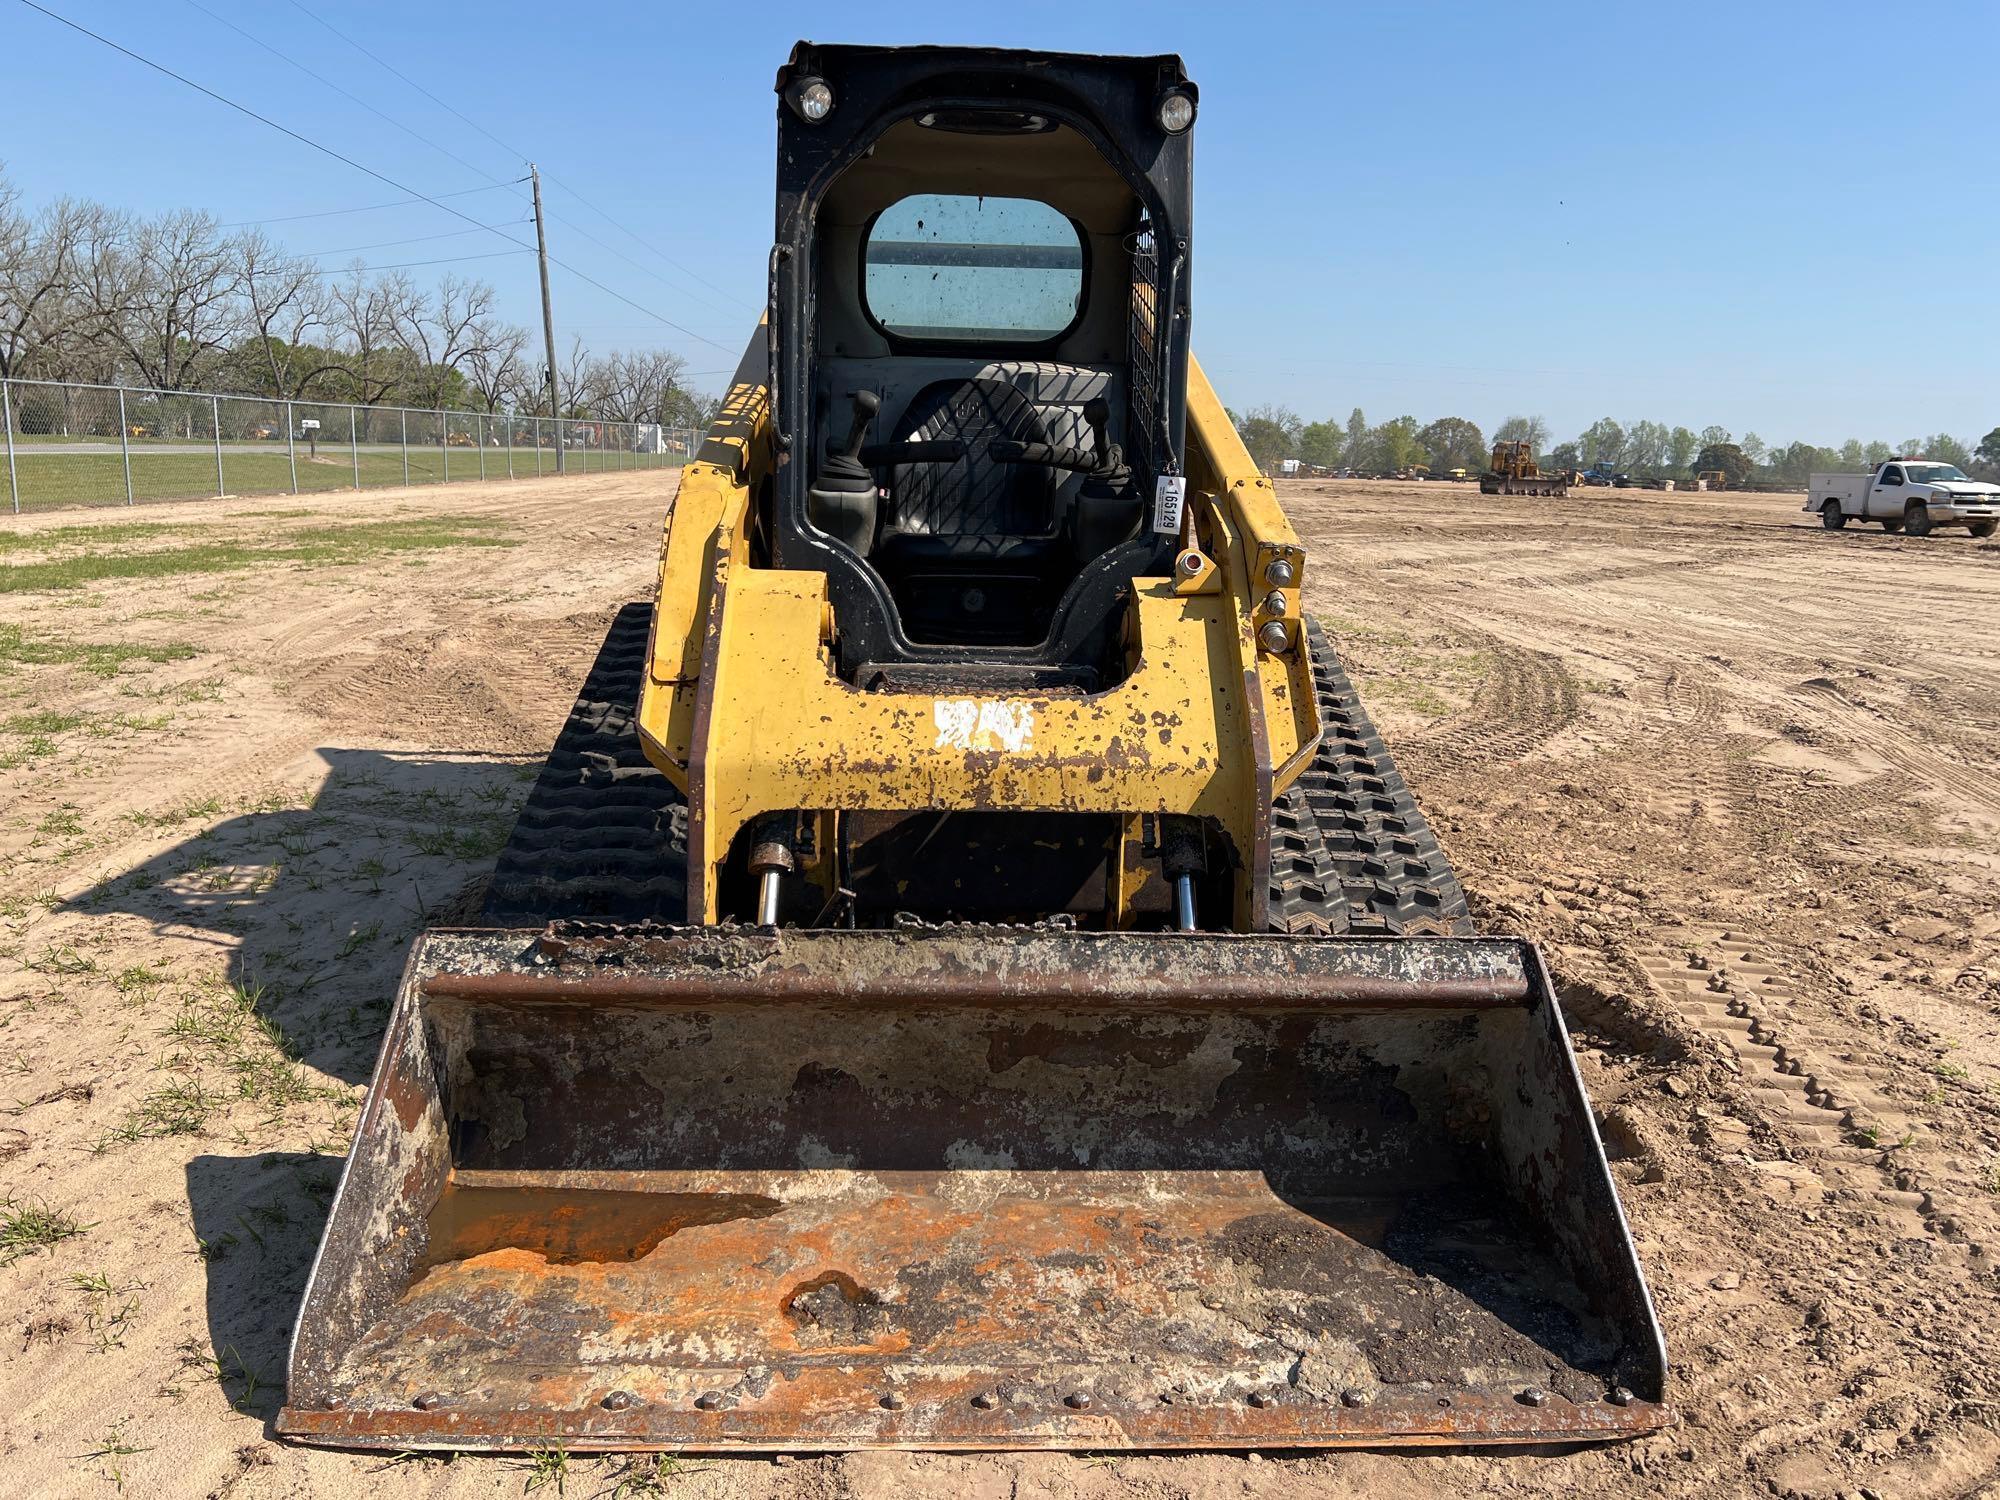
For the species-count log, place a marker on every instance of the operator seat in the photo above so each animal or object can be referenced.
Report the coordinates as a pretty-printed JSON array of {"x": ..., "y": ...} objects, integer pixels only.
[{"x": 969, "y": 545}]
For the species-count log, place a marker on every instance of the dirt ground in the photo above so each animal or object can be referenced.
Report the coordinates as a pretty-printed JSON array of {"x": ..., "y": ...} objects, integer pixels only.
[{"x": 1739, "y": 775}]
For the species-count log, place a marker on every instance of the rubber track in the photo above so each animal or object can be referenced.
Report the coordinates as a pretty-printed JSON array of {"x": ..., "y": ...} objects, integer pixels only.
[
  {"x": 603, "y": 834},
  {"x": 1350, "y": 850}
]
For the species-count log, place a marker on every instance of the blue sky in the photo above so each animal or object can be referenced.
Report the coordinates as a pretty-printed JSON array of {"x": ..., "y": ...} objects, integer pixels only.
[{"x": 1776, "y": 217}]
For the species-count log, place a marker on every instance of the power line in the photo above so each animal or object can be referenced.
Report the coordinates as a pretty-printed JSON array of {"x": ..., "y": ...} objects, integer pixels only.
[
  {"x": 642, "y": 270},
  {"x": 401, "y": 187},
  {"x": 467, "y": 120},
  {"x": 404, "y": 265},
  {"x": 629, "y": 234},
  {"x": 517, "y": 155},
  {"x": 369, "y": 208},
  {"x": 521, "y": 155},
  {"x": 639, "y": 307},
  {"x": 345, "y": 94},
  {"x": 244, "y": 109},
  {"x": 449, "y": 234}
]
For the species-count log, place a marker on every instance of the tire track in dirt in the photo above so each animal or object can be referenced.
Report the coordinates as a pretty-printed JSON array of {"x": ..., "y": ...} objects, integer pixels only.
[
  {"x": 1523, "y": 702},
  {"x": 1853, "y": 1135},
  {"x": 1903, "y": 750},
  {"x": 502, "y": 694}
]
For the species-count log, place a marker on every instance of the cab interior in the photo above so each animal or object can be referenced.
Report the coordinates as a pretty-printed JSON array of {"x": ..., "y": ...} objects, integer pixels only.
[{"x": 983, "y": 333}]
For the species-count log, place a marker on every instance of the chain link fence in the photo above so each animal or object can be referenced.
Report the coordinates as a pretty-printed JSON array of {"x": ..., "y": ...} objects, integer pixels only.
[{"x": 76, "y": 445}]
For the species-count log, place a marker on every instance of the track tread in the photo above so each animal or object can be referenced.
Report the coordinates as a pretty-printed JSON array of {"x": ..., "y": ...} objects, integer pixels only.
[
  {"x": 1350, "y": 849},
  {"x": 603, "y": 833}
]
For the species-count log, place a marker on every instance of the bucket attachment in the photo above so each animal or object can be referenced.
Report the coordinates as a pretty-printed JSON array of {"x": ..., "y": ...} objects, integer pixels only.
[{"x": 973, "y": 1188}]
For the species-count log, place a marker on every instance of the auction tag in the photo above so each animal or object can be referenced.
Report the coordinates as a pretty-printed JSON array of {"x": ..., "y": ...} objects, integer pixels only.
[{"x": 1169, "y": 498}]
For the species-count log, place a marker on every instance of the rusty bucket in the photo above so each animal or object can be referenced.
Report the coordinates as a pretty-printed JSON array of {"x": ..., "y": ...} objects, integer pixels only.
[{"x": 969, "y": 1189}]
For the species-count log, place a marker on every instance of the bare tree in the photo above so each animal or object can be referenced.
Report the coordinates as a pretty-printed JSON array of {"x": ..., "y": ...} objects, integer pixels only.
[
  {"x": 573, "y": 381},
  {"x": 165, "y": 293},
  {"x": 286, "y": 302},
  {"x": 499, "y": 370},
  {"x": 442, "y": 330},
  {"x": 634, "y": 387},
  {"x": 89, "y": 295},
  {"x": 40, "y": 320},
  {"x": 364, "y": 321}
]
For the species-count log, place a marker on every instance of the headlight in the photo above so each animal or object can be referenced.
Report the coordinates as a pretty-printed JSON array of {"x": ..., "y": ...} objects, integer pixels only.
[
  {"x": 1176, "y": 112},
  {"x": 815, "y": 99}
]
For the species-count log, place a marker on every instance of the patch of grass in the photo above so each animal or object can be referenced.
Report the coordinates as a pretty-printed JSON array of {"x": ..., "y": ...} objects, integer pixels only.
[
  {"x": 27, "y": 1228},
  {"x": 108, "y": 1309},
  {"x": 466, "y": 842},
  {"x": 112, "y": 1450},
  {"x": 319, "y": 545},
  {"x": 173, "y": 817},
  {"x": 137, "y": 978},
  {"x": 100, "y": 659},
  {"x": 228, "y": 1027},
  {"x": 51, "y": 481},
  {"x": 38, "y": 748},
  {"x": 649, "y": 1474},
  {"x": 110, "y": 534},
  {"x": 548, "y": 1468},
  {"x": 63, "y": 960},
  {"x": 63, "y": 823},
  {"x": 45, "y": 721},
  {"x": 182, "y": 1107},
  {"x": 1419, "y": 697}
]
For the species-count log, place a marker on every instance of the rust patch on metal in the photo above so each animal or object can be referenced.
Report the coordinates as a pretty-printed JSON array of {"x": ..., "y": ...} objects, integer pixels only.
[{"x": 570, "y": 1226}]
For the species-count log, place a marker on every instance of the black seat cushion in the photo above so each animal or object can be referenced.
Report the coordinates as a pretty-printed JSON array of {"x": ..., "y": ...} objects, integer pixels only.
[{"x": 975, "y": 503}]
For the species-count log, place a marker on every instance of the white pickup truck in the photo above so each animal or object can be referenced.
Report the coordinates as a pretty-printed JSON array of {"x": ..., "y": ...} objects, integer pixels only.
[{"x": 1910, "y": 495}]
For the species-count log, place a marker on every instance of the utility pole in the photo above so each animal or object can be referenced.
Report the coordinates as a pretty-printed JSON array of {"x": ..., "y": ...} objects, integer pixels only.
[{"x": 548, "y": 316}]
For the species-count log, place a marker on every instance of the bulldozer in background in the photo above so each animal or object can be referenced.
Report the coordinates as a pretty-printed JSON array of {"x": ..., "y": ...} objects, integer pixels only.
[
  {"x": 1512, "y": 470},
  {"x": 969, "y": 975}
]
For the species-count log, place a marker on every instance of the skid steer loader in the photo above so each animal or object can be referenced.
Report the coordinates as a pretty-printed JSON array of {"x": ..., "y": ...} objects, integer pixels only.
[{"x": 969, "y": 975}]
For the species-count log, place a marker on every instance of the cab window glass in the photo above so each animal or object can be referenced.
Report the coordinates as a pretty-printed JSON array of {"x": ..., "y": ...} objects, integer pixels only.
[{"x": 965, "y": 269}]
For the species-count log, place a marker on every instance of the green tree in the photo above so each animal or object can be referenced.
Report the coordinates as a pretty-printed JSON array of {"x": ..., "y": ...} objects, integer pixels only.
[
  {"x": 1646, "y": 447},
  {"x": 1715, "y": 437},
  {"x": 1603, "y": 442},
  {"x": 1453, "y": 443},
  {"x": 1988, "y": 452},
  {"x": 1877, "y": 454},
  {"x": 1795, "y": 464},
  {"x": 1754, "y": 448},
  {"x": 1682, "y": 445},
  {"x": 1355, "y": 451},
  {"x": 1942, "y": 447},
  {"x": 1852, "y": 455},
  {"x": 1271, "y": 433},
  {"x": 1319, "y": 444},
  {"x": 1729, "y": 458},
  {"x": 1397, "y": 444},
  {"x": 1564, "y": 456}
]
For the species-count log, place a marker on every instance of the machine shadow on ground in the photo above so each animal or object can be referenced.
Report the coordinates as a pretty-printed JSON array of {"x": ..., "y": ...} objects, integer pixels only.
[
  {"x": 258, "y": 1220},
  {"x": 314, "y": 901}
]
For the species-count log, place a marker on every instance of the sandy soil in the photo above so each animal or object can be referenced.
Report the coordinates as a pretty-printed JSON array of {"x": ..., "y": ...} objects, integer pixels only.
[{"x": 1738, "y": 774}]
